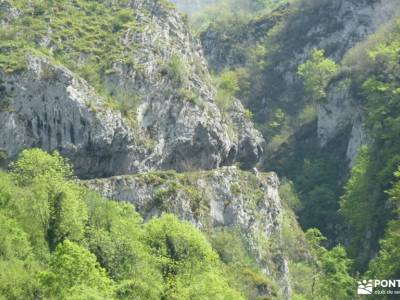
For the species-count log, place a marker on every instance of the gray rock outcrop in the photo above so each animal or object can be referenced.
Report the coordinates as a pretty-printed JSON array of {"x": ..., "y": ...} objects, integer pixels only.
[
  {"x": 175, "y": 125},
  {"x": 341, "y": 113},
  {"x": 210, "y": 199}
]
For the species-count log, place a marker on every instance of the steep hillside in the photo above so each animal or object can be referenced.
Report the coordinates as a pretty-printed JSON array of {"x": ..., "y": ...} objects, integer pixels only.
[
  {"x": 116, "y": 99},
  {"x": 224, "y": 198},
  {"x": 315, "y": 141},
  {"x": 232, "y": 42},
  {"x": 158, "y": 124},
  {"x": 119, "y": 88},
  {"x": 288, "y": 35},
  {"x": 61, "y": 241},
  {"x": 369, "y": 93}
]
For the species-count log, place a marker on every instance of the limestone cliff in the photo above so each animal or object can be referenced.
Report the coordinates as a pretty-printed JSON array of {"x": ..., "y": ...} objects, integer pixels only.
[
  {"x": 223, "y": 197},
  {"x": 343, "y": 24},
  {"x": 288, "y": 34},
  {"x": 341, "y": 113},
  {"x": 152, "y": 107},
  {"x": 128, "y": 92}
]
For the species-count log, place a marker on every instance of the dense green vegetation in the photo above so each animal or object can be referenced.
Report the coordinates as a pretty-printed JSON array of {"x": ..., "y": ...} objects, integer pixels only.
[
  {"x": 369, "y": 205},
  {"x": 376, "y": 84},
  {"x": 332, "y": 279},
  {"x": 371, "y": 71},
  {"x": 387, "y": 263},
  {"x": 359, "y": 208},
  {"x": 61, "y": 241},
  {"x": 315, "y": 271}
]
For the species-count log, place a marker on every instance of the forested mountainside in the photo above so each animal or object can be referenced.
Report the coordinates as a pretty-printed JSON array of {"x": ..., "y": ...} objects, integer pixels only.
[
  {"x": 137, "y": 144},
  {"x": 120, "y": 88},
  {"x": 320, "y": 78}
]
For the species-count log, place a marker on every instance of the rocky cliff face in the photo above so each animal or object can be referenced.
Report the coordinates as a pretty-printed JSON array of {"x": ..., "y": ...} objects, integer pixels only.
[
  {"x": 341, "y": 113},
  {"x": 342, "y": 110},
  {"x": 51, "y": 108},
  {"x": 151, "y": 108},
  {"x": 289, "y": 34},
  {"x": 351, "y": 23},
  {"x": 222, "y": 197},
  {"x": 175, "y": 123}
]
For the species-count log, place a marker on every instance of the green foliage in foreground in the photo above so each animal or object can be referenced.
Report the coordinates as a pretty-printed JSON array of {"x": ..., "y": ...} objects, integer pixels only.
[{"x": 60, "y": 241}]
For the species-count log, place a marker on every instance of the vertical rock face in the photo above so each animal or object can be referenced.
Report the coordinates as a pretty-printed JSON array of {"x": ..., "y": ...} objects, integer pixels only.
[
  {"x": 353, "y": 22},
  {"x": 152, "y": 108},
  {"x": 341, "y": 24},
  {"x": 341, "y": 110},
  {"x": 223, "y": 197},
  {"x": 338, "y": 114},
  {"x": 303, "y": 27},
  {"x": 175, "y": 124},
  {"x": 50, "y": 108},
  {"x": 335, "y": 26}
]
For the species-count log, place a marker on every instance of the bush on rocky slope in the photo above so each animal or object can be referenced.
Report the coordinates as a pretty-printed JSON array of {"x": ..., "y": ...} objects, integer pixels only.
[{"x": 61, "y": 241}]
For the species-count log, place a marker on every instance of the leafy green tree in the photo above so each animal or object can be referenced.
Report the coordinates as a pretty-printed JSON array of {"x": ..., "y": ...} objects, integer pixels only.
[
  {"x": 317, "y": 72},
  {"x": 229, "y": 82},
  {"x": 187, "y": 261},
  {"x": 73, "y": 268},
  {"x": 318, "y": 190},
  {"x": 17, "y": 264},
  {"x": 18, "y": 279},
  {"x": 387, "y": 262},
  {"x": 333, "y": 280},
  {"x": 239, "y": 267},
  {"x": 68, "y": 214},
  {"x": 7, "y": 193},
  {"x": 35, "y": 163},
  {"x": 22, "y": 205},
  {"x": 178, "y": 244},
  {"x": 55, "y": 207},
  {"x": 228, "y": 87},
  {"x": 14, "y": 241},
  {"x": 356, "y": 205},
  {"x": 115, "y": 236}
]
